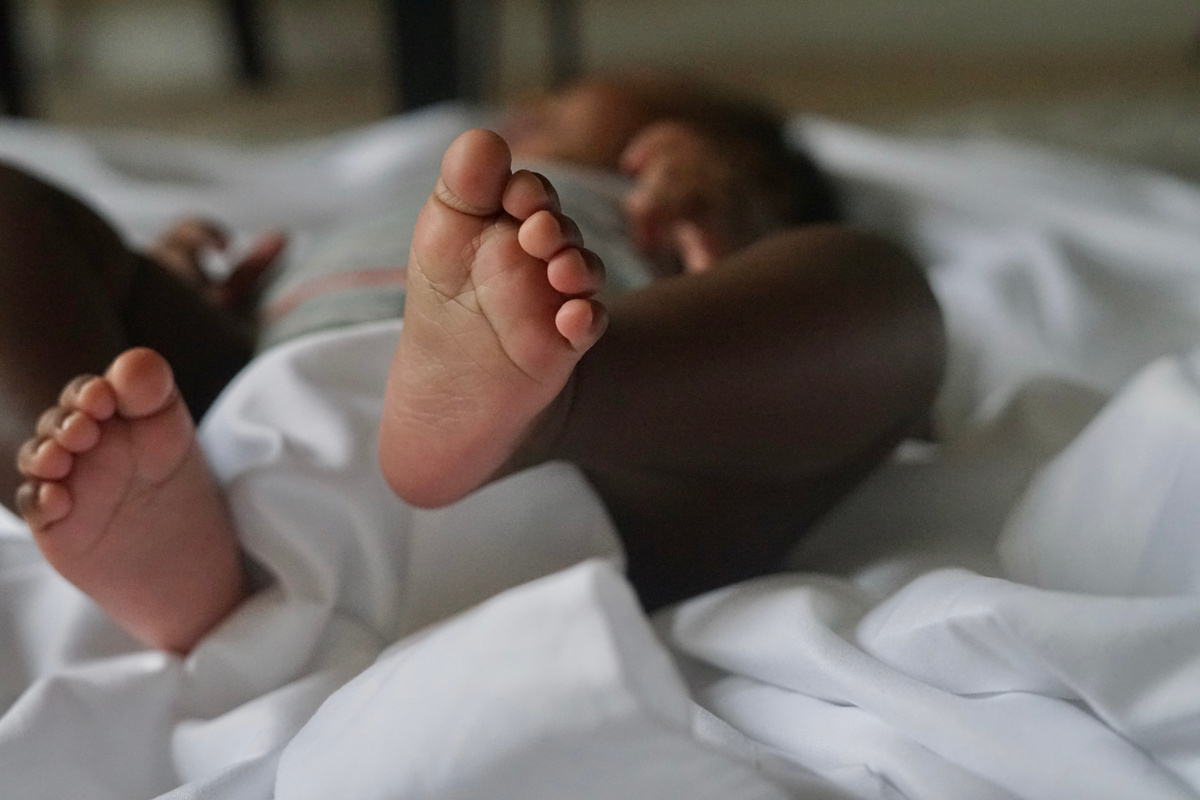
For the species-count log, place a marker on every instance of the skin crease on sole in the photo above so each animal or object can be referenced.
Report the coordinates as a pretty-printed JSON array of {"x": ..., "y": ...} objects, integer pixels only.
[{"x": 500, "y": 309}]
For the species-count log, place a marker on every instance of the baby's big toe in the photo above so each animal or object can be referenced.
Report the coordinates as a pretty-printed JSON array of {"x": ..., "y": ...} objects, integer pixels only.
[
  {"x": 475, "y": 171},
  {"x": 142, "y": 382}
]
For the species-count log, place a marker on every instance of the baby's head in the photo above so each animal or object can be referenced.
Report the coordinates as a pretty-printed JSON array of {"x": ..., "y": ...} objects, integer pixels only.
[{"x": 592, "y": 121}]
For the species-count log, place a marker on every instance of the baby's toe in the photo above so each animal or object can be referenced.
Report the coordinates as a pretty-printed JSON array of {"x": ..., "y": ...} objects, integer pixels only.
[
  {"x": 51, "y": 420},
  {"x": 44, "y": 459},
  {"x": 576, "y": 272},
  {"x": 545, "y": 234},
  {"x": 141, "y": 381},
  {"x": 42, "y": 503},
  {"x": 90, "y": 394},
  {"x": 527, "y": 193},
  {"x": 581, "y": 322},
  {"x": 78, "y": 432},
  {"x": 475, "y": 172}
]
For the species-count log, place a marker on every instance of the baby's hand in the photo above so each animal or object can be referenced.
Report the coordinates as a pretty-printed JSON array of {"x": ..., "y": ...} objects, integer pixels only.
[
  {"x": 682, "y": 211},
  {"x": 183, "y": 250}
]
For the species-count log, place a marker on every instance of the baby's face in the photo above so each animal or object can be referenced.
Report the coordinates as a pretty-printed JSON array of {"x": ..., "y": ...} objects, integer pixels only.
[{"x": 589, "y": 123}]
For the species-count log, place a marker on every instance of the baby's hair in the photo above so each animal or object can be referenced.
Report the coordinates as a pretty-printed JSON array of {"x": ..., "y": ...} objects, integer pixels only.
[{"x": 811, "y": 196}]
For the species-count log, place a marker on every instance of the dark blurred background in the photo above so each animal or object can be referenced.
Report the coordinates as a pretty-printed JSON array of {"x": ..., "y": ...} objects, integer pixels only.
[{"x": 322, "y": 65}]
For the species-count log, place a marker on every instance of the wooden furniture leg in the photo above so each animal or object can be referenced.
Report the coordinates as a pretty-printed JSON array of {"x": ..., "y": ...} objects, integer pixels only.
[
  {"x": 424, "y": 44},
  {"x": 14, "y": 85},
  {"x": 566, "y": 40},
  {"x": 246, "y": 26}
]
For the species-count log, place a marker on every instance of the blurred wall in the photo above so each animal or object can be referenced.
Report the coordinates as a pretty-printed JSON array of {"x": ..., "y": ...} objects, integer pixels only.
[
  {"x": 139, "y": 44},
  {"x": 868, "y": 26},
  {"x": 165, "y": 43}
]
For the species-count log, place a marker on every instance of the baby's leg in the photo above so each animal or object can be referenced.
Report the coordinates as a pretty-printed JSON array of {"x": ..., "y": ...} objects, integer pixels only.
[
  {"x": 497, "y": 315},
  {"x": 73, "y": 297},
  {"x": 723, "y": 413},
  {"x": 122, "y": 503},
  {"x": 718, "y": 417}
]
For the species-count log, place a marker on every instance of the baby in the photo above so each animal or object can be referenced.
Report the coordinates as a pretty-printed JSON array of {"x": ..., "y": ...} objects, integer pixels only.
[
  {"x": 724, "y": 409},
  {"x": 711, "y": 173},
  {"x": 120, "y": 498}
]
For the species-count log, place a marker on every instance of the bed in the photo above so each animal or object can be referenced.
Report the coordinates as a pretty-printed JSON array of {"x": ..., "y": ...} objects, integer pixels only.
[{"x": 1010, "y": 613}]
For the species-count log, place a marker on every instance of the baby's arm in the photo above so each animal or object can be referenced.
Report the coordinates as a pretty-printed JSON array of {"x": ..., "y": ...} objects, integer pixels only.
[{"x": 180, "y": 251}]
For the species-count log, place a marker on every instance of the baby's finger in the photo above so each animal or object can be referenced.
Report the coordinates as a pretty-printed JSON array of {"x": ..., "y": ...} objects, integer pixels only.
[
  {"x": 263, "y": 253},
  {"x": 698, "y": 247},
  {"x": 654, "y": 141},
  {"x": 654, "y": 205},
  {"x": 249, "y": 271},
  {"x": 676, "y": 185},
  {"x": 178, "y": 260},
  {"x": 179, "y": 249},
  {"x": 194, "y": 234}
]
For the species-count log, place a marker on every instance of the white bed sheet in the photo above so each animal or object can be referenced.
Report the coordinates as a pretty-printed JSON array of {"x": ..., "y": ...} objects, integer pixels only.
[{"x": 906, "y": 654}]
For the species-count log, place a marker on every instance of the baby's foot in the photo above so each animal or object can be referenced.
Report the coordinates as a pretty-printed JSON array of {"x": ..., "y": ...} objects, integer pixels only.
[
  {"x": 499, "y": 311},
  {"x": 121, "y": 502}
]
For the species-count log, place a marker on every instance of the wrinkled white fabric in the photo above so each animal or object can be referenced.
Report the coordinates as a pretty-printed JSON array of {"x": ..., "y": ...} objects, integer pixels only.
[
  {"x": 567, "y": 695},
  {"x": 1064, "y": 664},
  {"x": 904, "y": 656},
  {"x": 1045, "y": 264},
  {"x": 1117, "y": 512},
  {"x": 294, "y": 441}
]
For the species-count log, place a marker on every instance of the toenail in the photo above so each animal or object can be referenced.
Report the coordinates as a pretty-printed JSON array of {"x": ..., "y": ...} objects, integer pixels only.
[
  {"x": 548, "y": 191},
  {"x": 55, "y": 423},
  {"x": 27, "y": 451},
  {"x": 571, "y": 230},
  {"x": 26, "y": 497},
  {"x": 50, "y": 420},
  {"x": 75, "y": 385}
]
